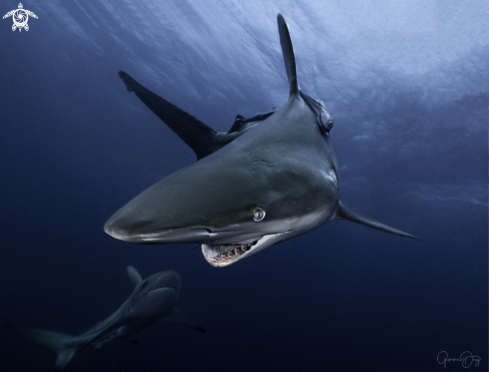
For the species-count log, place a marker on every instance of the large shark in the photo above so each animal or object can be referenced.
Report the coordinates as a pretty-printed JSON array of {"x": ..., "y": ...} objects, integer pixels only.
[
  {"x": 270, "y": 178},
  {"x": 152, "y": 299}
]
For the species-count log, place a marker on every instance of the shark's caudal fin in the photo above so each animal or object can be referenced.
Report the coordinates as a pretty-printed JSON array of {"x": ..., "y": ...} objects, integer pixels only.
[
  {"x": 289, "y": 57},
  {"x": 61, "y": 343},
  {"x": 345, "y": 213},
  {"x": 134, "y": 276},
  {"x": 178, "y": 317},
  {"x": 200, "y": 137}
]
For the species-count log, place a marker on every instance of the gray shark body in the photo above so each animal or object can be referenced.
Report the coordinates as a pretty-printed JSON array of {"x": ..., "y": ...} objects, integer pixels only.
[
  {"x": 152, "y": 299},
  {"x": 270, "y": 178}
]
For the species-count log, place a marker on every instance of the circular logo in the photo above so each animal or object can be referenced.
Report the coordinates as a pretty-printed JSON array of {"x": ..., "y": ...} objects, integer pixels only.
[{"x": 20, "y": 18}]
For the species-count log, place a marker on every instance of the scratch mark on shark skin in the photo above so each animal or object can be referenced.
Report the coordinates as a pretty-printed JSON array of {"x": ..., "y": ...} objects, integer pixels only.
[{"x": 262, "y": 162}]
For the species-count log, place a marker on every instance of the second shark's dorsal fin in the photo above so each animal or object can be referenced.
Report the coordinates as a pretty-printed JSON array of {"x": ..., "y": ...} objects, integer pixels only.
[
  {"x": 134, "y": 276},
  {"x": 345, "y": 213},
  {"x": 289, "y": 57}
]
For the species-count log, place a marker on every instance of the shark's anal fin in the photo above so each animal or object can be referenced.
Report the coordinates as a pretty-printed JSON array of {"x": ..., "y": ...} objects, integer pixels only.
[
  {"x": 134, "y": 276},
  {"x": 200, "y": 137},
  {"x": 178, "y": 317},
  {"x": 345, "y": 213},
  {"x": 61, "y": 343},
  {"x": 289, "y": 57}
]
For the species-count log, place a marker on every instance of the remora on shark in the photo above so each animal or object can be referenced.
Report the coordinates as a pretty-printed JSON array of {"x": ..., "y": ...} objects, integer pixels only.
[
  {"x": 270, "y": 178},
  {"x": 152, "y": 299}
]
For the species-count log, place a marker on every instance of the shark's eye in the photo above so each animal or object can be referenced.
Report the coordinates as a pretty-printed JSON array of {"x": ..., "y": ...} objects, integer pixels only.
[{"x": 258, "y": 214}]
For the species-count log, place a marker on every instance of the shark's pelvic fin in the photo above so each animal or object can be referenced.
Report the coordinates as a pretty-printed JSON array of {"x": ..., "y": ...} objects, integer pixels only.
[
  {"x": 134, "y": 276},
  {"x": 238, "y": 123},
  {"x": 200, "y": 137},
  {"x": 289, "y": 57},
  {"x": 59, "y": 342},
  {"x": 178, "y": 317},
  {"x": 345, "y": 213}
]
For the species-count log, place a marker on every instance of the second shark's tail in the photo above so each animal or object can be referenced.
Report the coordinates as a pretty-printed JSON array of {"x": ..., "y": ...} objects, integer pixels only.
[{"x": 62, "y": 344}]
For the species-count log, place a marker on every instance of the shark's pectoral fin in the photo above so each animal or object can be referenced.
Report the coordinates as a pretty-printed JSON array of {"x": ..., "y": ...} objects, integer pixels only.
[
  {"x": 178, "y": 317},
  {"x": 134, "y": 276},
  {"x": 289, "y": 57},
  {"x": 61, "y": 343},
  {"x": 345, "y": 213},
  {"x": 200, "y": 137}
]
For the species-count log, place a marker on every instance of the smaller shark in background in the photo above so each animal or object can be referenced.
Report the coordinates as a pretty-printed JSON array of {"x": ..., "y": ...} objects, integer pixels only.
[{"x": 152, "y": 299}]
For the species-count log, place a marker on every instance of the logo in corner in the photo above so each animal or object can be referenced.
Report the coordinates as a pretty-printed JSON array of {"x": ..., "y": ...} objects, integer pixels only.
[{"x": 20, "y": 17}]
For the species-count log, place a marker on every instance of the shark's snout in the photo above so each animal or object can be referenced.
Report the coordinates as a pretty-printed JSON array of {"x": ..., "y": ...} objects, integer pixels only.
[
  {"x": 116, "y": 228},
  {"x": 144, "y": 233}
]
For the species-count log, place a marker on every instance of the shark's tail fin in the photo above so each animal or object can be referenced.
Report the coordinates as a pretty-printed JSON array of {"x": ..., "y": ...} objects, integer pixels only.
[
  {"x": 345, "y": 213},
  {"x": 62, "y": 344},
  {"x": 289, "y": 57}
]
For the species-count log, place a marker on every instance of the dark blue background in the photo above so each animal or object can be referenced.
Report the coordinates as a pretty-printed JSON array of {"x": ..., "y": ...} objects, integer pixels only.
[{"x": 408, "y": 85}]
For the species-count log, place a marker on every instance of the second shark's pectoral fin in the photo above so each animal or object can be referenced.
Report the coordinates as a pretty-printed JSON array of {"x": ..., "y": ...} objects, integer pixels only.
[
  {"x": 200, "y": 137},
  {"x": 134, "y": 276},
  {"x": 178, "y": 317},
  {"x": 345, "y": 213},
  {"x": 289, "y": 57}
]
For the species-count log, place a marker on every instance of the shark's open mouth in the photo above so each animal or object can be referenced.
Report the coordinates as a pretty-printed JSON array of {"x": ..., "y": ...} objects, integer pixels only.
[{"x": 225, "y": 254}]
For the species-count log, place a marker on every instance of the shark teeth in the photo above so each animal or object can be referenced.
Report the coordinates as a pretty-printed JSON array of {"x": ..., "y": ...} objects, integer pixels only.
[{"x": 226, "y": 253}]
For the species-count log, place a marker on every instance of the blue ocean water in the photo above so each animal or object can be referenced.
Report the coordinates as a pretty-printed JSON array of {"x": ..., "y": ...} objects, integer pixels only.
[{"x": 408, "y": 85}]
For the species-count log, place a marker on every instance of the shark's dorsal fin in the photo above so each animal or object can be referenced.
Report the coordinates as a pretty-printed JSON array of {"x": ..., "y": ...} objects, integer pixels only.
[
  {"x": 134, "y": 276},
  {"x": 178, "y": 317},
  {"x": 289, "y": 57},
  {"x": 345, "y": 213},
  {"x": 200, "y": 137}
]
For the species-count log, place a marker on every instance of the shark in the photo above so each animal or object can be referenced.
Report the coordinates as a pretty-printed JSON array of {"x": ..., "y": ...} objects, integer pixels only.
[
  {"x": 270, "y": 178},
  {"x": 151, "y": 300}
]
